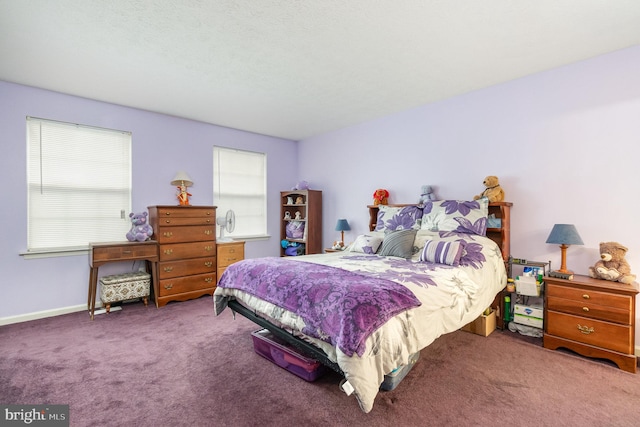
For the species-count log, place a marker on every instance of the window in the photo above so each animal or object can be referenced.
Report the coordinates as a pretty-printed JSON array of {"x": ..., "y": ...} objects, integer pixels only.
[
  {"x": 240, "y": 184},
  {"x": 78, "y": 183}
]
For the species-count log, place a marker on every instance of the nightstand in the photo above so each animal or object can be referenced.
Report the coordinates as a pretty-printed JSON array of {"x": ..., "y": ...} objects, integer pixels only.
[
  {"x": 228, "y": 253},
  {"x": 595, "y": 318}
]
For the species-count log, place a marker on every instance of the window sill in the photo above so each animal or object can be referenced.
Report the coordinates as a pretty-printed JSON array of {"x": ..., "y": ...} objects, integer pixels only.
[{"x": 54, "y": 253}]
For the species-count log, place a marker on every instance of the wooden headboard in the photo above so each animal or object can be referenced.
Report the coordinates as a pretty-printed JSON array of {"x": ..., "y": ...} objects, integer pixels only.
[{"x": 501, "y": 235}]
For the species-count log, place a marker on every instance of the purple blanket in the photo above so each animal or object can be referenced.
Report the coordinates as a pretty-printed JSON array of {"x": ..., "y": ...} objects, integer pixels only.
[{"x": 337, "y": 306}]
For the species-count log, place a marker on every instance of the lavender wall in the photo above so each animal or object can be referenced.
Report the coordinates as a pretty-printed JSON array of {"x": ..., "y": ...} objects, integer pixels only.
[
  {"x": 162, "y": 145},
  {"x": 564, "y": 143}
]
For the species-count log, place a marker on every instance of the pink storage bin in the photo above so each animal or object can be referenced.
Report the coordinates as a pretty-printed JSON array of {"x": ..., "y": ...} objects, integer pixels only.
[{"x": 284, "y": 355}]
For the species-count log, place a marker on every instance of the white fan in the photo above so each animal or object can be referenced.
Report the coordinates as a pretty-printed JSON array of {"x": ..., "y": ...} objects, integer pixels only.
[{"x": 228, "y": 222}]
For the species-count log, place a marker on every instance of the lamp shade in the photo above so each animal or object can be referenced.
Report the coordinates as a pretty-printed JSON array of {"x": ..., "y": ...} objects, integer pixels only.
[
  {"x": 182, "y": 177},
  {"x": 564, "y": 234},
  {"x": 342, "y": 225}
]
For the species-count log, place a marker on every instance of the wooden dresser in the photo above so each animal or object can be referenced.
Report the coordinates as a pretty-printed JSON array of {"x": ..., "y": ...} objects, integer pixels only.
[
  {"x": 595, "y": 318},
  {"x": 228, "y": 253},
  {"x": 187, "y": 252}
]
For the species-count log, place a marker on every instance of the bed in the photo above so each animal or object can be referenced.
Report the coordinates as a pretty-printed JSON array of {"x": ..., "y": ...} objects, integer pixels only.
[{"x": 421, "y": 272}]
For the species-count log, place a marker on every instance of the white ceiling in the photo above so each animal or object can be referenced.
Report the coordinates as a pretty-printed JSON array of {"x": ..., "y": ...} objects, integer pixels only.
[{"x": 297, "y": 68}]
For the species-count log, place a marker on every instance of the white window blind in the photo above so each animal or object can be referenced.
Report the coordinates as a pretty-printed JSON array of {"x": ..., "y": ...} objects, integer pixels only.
[
  {"x": 240, "y": 184},
  {"x": 79, "y": 185}
]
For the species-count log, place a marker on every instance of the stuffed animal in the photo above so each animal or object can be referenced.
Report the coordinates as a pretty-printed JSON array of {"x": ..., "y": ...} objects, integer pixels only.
[
  {"x": 299, "y": 200},
  {"x": 493, "y": 191},
  {"x": 612, "y": 265},
  {"x": 301, "y": 185},
  {"x": 380, "y": 197},
  {"x": 140, "y": 229},
  {"x": 426, "y": 194}
]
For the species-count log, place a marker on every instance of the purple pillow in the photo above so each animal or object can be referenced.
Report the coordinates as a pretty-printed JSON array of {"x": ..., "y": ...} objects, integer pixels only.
[{"x": 442, "y": 252}]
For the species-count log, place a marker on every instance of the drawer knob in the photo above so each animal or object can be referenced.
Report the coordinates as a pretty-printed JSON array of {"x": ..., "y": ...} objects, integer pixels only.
[
  {"x": 168, "y": 269},
  {"x": 208, "y": 248},
  {"x": 207, "y": 232},
  {"x": 168, "y": 251},
  {"x": 167, "y": 234},
  {"x": 208, "y": 220},
  {"x": 585, "y": 308},
  {"x": 586, "y": 296},
  {"x": 167, "y": 221},
  {"x": 586, "y": 330},
  {"x": 208, "y": 264},
  {"x": 168, "y": 286},
  {"x": 208, "y": 280}
]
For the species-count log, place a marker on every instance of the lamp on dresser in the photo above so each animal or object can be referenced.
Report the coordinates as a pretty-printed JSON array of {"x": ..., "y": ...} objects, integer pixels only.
[
  {"x": 564, "y": 235},
  {"x": 182, "y": 181}
]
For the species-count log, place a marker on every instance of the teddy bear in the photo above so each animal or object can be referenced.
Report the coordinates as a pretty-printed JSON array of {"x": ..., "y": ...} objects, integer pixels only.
[
  {"x": 612, "y": 265},
  {"x": 426, "y": 194},
  {"x": 493, "y": 191},
  {"x": 380, "y": 197},
  {"x": 140, "y": 229}
]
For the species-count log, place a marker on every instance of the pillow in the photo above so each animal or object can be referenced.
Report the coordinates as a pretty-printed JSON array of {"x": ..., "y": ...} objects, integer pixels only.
[
  {"x": 456, "y": 215},
  {"x": 366, "y": 244},
  {"x": 442, "y": 252},
  {"x": 398, "y": 243},
  {"x": 398, "y": 218}
]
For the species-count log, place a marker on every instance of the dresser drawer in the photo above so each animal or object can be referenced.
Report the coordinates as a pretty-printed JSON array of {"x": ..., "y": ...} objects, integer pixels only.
[
  {"x": 586, "y": 308},
  {"x": 590, "y": 331},
  {"x": 181, "y": 234},
  {"x": 606, "y": 299},
  {"x": 230, "y": 253},
  {"x": 186, "y": 212},
  {"x": 179, "y": 251},
  {"x": 170, "y": 269},
  {"x": 124, "y": 252},
  {"x": 180, "y": 285}
]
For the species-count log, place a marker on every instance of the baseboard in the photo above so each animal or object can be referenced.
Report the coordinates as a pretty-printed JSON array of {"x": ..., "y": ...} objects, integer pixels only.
[{"x": 42, "y": 314}]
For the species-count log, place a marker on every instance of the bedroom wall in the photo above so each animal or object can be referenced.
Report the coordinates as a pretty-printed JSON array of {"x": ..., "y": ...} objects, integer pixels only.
[
  {"x": 565, "y": 144},
  {"x": 162, "y": 145}
]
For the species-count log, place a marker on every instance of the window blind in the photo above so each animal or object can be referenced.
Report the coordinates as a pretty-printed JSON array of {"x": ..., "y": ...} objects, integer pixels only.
[
  {"x": 240, "y": 184},
  {"x": 78, "y": 183}
]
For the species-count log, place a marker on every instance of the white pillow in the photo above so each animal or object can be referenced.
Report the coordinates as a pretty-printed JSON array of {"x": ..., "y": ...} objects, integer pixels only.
[{"x": 366, "y": 244}]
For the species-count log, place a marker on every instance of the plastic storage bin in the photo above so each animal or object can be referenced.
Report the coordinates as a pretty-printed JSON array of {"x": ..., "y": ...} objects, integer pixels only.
[
  {"x": 392, "y": 379},
  {"x": 284, "y": 355}
]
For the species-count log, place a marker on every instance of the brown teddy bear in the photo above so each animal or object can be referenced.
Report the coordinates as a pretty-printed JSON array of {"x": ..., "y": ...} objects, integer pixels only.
[
  {"x": 380, "y": 197},
  {"x": 612, "y": 265},
  {"x": 493, "y": 192}
]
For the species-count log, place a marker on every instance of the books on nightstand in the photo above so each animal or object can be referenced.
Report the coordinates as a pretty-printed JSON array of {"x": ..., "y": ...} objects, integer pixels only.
[{"x": 560, "y": 275}]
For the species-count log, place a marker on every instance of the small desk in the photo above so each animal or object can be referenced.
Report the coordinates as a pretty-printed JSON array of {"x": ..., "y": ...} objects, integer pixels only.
[{"x": 102, "y": 253}]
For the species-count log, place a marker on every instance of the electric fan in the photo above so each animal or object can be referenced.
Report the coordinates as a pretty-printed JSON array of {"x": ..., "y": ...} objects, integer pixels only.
[{"x": 227, "y": 222}]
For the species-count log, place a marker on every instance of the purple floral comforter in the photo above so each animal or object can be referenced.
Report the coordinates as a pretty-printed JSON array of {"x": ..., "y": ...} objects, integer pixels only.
[{"x": 338, "y": 306}]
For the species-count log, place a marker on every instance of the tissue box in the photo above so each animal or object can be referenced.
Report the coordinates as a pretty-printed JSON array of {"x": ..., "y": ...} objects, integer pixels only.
[
  {"x": 483, "y": 325},
  {"x": 530, "y": 315}
]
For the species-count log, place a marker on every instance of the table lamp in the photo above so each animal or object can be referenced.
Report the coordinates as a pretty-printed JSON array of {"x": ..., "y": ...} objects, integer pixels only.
[
  {"x": 564, "y": 235},
  {"x": 182, "y": 181},
  {"x": 342, "y": 225}
]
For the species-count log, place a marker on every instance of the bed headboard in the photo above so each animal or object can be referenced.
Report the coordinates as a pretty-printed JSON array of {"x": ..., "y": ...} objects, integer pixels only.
[{"x": 501, "y": 235}]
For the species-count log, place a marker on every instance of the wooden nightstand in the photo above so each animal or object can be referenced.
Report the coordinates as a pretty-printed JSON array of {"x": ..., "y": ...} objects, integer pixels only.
[
  {"x": 595, "y": 318},
  {"x": 228, "y": 253}
]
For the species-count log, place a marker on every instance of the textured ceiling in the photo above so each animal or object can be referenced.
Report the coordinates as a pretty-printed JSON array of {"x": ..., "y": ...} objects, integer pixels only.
[{"x": 296, "y": 69}]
